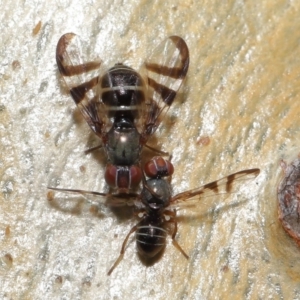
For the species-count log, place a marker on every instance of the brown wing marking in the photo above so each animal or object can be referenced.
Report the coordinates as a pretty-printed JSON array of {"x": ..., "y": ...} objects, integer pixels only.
[
  {"x": 174, "y": 72},
  {"x": 168, "y": 95},
  {"x": 82, "y": 79},
  {"x": 173, "y": 66},
  {"x": 225, "y": 185},
  {"x": 63, "y": 60},
  {"x": 166, "y": 69}
]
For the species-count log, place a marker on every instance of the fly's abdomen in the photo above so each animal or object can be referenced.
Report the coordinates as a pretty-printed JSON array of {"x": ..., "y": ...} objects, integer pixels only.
[
  {"x": 150, "y": 237},
  {"x": 123, "y": 92}
]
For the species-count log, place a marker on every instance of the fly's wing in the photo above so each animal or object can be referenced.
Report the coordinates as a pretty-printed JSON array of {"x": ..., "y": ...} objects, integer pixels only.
[
  {"x": 81, "y": 76},
  {"x": 228, "y": 184},
  {"x": 166, "y": 68},
  {"x": 112, "y": 200}
]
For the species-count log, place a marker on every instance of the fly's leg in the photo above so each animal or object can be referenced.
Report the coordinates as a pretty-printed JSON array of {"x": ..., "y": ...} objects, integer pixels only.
[
  {"x": 172, "y": 219},
  {"x": 87, "y": 151},
  {"x": 132, "y": 230}
]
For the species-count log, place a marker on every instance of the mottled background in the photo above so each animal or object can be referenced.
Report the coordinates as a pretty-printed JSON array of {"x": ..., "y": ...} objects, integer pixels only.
[{"x": 242, "y": 92}]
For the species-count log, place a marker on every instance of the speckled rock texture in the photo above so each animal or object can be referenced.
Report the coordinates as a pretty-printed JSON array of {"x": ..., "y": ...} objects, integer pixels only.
[{"x": 238, "y": 109}]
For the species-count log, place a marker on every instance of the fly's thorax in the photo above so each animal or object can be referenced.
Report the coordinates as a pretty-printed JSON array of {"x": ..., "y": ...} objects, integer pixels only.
[
  {"x": 123, "y": 145},
  {"x": 156, "y": 194}
]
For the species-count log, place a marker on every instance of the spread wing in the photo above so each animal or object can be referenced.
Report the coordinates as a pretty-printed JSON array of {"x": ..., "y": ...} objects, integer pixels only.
[
  {"x": 225, "y": 185},
  {"x": 81, "y": 75},
  {"x": 166, "y": 69}
]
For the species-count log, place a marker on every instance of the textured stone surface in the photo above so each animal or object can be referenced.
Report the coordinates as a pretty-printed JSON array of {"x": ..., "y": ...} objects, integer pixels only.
[{"x": 242, "y": 92}]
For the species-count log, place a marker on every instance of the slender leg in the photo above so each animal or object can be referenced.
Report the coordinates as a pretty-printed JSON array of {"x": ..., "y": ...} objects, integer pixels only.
[
  {"x": 175, "y": 243},
  {"x": 77, "y": 191},
  {"x": 156, "y": 150},
  {"x": 132, "y": 230},
  {"x": 172, "y": 214},
  {"x": 87, "y": 151}
]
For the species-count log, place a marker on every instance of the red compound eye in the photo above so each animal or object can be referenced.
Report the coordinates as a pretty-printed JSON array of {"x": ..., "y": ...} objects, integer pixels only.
[
  {"x": 158, "y": 167},
  {"x": 123, "y": 177},
  {"x": 135, "y": 175},
  {"x": 110, "y": 175}
]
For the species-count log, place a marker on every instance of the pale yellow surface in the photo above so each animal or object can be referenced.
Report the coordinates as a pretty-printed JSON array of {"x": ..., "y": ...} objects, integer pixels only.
[{"x": 242, "y": 91}]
